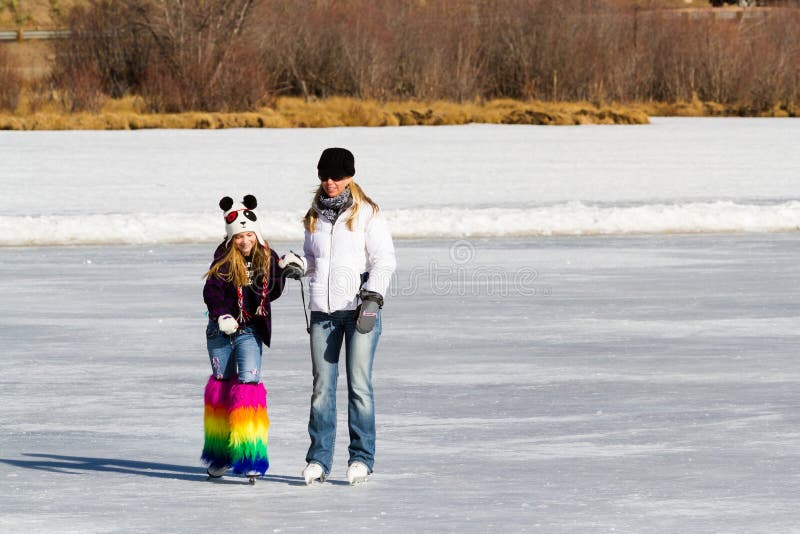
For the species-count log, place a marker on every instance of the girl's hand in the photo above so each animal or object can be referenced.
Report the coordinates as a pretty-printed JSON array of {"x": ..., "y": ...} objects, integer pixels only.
[{"x": 227, "y": 324}]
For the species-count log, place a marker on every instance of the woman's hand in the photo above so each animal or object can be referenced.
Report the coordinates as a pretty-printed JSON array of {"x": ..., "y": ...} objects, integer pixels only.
[
  {"x": 371, "y": 302},
  {"x": 293, "y": 265}
]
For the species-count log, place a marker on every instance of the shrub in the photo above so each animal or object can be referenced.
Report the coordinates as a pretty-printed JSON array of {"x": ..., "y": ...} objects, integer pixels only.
[
  {"x": 10, "y": 82},
  {"x": 109, "y": 42},
  {"x": 203, "y": 60}
]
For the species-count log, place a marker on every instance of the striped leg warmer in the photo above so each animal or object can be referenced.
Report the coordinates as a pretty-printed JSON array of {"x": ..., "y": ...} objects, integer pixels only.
[
  {"x": 215, "y": 421},
  {"x": 249, "y": 428}
]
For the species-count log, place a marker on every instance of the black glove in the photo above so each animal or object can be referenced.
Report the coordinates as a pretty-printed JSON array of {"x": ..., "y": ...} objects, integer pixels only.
[
  {"x": 367, "y": 312},
  {"x": 292, "y": 270}
]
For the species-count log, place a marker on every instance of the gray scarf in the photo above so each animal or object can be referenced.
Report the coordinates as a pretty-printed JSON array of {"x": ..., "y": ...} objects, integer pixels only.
[{"x": 332, "y": 207}]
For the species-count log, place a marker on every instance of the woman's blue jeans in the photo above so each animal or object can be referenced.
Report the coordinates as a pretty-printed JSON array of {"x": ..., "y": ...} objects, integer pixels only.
[
  {"x": 235, "y": 354},
  {"x": 328, "y": 330}
]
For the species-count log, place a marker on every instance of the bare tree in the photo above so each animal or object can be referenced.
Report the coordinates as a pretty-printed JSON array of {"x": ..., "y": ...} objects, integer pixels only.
[
  {"x": 107, "y": 41},
  {"x": 202, "y": 60}
]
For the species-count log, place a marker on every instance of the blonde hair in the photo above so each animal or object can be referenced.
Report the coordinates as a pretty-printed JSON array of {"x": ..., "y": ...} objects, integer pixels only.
[
  {"x": 359, "y": 199},
  {"x": 236, "y": 271}
]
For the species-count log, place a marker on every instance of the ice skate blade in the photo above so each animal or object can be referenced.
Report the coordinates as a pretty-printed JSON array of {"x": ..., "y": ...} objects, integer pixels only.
[{"x": 216, "y": 472}]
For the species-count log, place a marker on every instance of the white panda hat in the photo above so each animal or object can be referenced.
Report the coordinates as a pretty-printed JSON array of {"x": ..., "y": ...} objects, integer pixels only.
[{"x": 240, "y": 217}]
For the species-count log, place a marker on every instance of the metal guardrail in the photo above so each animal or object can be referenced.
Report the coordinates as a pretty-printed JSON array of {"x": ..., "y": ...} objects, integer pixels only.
[{"x": 25, "y": 35}]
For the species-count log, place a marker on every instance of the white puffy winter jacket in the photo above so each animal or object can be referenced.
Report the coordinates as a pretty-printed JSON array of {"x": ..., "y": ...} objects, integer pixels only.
[{"x": 336, "y": 257}]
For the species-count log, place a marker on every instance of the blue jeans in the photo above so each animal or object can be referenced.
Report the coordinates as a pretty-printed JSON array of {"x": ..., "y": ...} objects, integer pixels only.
[
  {"x": 238, "y": 353},
  {"x": 327, "y": 333}
]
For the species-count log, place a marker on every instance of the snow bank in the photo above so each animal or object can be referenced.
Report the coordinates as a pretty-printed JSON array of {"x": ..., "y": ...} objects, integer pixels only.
[{"x": 571, "y": 218}]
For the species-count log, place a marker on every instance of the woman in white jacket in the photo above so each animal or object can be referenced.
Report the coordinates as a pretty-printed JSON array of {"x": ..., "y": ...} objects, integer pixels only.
[{"x": 350, "y": 261}]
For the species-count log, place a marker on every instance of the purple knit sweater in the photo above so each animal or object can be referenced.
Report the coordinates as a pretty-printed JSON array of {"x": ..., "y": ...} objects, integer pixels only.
[{"x": 221, "y": 298}]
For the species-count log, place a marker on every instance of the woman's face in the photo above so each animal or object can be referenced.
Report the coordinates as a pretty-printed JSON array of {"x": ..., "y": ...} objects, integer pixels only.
[
  {"x": 334, "y": 188},
  {"x": 244, "y": 242}
]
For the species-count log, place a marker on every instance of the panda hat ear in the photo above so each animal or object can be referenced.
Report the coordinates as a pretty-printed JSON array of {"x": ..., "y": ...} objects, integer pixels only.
[
  {"x": 250, "y": 202},
  {"x": 225, "y": 203}
]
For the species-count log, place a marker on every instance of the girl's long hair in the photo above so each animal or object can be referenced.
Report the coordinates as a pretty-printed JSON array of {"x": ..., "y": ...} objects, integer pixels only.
[
  {"x": 359, "y": 200},
  {"x": 231, "y": 267}
]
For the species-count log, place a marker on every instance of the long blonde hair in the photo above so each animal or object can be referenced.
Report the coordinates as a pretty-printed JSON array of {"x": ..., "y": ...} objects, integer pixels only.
[
  {"x": 231, "y": 267},
  {"x": 359, "y": 199}
]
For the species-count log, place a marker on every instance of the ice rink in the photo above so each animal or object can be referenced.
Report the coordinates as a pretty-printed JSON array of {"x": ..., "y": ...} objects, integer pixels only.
[{"x": 572, "y": 384}]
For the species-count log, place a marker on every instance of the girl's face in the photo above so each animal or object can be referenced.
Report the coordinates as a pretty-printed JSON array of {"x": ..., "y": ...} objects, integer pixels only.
[
  {"x": 244, "y": 242},
  {"x": 334, "y": 188}
]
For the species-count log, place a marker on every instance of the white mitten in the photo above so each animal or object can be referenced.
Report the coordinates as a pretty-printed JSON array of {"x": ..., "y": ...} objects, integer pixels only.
[
  {"x": 227, "y": 324},
  {"x": 293, "y": 266}
]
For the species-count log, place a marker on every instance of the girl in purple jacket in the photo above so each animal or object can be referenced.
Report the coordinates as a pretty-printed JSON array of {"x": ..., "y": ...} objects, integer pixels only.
[{"x": 243, "y": 279}]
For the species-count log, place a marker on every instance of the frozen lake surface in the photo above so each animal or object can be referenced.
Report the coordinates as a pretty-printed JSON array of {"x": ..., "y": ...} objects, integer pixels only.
[
  {"x": 560, "y": 385},
  {"x": 592, "y": 329}
]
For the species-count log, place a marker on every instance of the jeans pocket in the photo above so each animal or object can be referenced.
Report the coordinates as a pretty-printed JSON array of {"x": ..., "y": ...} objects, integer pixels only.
[{"x": 212, "y": 330}]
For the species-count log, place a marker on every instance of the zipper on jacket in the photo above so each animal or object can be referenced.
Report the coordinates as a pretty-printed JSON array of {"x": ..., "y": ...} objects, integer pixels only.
[{"x": 330, "y": 267}]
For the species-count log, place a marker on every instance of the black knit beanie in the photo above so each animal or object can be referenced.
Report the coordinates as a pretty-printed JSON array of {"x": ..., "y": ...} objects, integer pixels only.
[{"x": 336, "y": 163}]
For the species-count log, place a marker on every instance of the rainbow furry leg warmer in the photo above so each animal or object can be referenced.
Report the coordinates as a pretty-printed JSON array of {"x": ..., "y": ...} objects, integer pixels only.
[
  {"x": 216, "y": 452},
  {"x": 249, "y": 428}
]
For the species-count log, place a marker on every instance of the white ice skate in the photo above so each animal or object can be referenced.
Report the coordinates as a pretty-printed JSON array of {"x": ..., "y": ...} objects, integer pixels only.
[
  {"x": 357, "y": 472},
  {"x": 216, "y": 472},
  {"x": 313, "y": 473}
]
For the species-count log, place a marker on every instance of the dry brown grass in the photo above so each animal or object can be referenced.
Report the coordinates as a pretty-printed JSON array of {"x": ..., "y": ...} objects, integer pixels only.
[
  {"x": 700, "y": 108},
  {"x": 33, "y": 58},
  {"x": 352, "y": 112},
  {"x": 36, "y": 14},
  {"x": 126, "y": 114}
]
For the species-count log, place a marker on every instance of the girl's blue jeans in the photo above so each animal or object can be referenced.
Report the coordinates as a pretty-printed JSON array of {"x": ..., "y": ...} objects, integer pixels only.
[
  {"x": 328, "y": 331},
  {"x": 235, "y": 354}
]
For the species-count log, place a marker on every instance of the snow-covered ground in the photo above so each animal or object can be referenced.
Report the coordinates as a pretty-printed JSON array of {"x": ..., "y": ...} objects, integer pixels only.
[
  {"x": 593, "y": 384},
  {"x": 527, "y": 381},
  {"x": 675, "y": 175}
]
